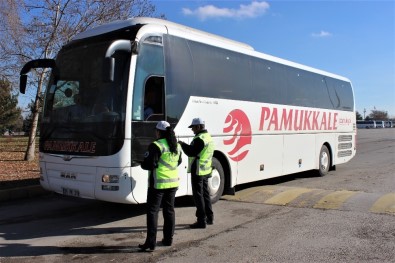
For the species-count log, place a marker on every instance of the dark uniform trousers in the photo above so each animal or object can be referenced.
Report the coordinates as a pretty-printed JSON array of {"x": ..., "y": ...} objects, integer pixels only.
[
  {"x": 155, "y": 198},
  {"x": 201, "y": 196}
]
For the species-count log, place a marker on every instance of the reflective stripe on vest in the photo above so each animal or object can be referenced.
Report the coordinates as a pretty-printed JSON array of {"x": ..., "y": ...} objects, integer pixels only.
[
  {"x": 204, "y": 162},
  {"x": 166, "y": 175}
]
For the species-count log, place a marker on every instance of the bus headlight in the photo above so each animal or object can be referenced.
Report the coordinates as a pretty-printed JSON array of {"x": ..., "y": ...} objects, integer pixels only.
[{"x": 108, "y": 178}]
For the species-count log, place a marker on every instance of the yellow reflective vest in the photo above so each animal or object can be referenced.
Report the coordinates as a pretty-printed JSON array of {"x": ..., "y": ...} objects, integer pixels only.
[
  {"x": 204, "y": 162},
  {"x": 166, "y": 175}
]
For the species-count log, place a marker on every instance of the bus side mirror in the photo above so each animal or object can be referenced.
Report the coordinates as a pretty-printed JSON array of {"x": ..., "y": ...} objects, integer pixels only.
[
  {"x": 109, "y": 60},
  {"x": 109, "y": 69},
  {"x": 135, "y": 47},
  {"x": 22, "y": 83},
  {"x": 37, "y": 63}
]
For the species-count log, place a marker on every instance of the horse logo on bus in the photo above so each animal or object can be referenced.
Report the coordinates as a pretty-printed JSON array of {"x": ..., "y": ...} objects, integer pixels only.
[{"x": 238, "y": 124}]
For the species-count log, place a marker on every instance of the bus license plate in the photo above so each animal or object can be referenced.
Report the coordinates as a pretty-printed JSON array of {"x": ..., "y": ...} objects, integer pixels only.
[{"x": 71, "y": 192}]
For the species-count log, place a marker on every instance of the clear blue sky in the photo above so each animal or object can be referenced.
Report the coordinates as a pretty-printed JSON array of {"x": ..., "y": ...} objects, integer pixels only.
[{"x": 355, "y": 39}]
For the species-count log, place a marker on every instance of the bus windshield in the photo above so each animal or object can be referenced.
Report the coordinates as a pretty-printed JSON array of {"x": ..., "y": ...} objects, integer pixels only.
[{"x": 83, "y": 114}]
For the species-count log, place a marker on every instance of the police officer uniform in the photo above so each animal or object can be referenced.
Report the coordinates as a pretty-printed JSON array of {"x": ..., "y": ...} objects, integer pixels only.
[
  {"x": 163, "y": 184},
  {"x": 200, "y": 153}
]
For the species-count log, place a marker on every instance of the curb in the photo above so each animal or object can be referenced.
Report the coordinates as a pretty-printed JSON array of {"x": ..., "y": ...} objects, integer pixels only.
[{"x": 22, "y": 192}]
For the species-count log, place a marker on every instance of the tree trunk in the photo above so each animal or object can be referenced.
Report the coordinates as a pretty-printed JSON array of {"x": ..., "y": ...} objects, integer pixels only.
[{"x": 31, "y": 146}]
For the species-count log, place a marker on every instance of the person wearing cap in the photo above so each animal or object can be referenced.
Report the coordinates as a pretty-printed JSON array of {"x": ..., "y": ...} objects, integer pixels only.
[
  {"x": 200, "y": 153},
  {"x": 161, "y": 160}
]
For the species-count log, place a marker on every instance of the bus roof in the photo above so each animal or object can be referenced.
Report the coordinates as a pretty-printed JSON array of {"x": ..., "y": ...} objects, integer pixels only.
[
  {"x": 192, "y": 33},
  {"x": 119, "y": 24}
]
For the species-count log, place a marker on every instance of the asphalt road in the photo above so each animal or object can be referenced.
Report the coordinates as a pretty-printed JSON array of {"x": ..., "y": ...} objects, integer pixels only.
[{"x": 346, "y": 216}]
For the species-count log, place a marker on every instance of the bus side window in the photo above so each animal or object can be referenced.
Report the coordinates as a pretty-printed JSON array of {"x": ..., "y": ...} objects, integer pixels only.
[{"x": 153, "y": 99}]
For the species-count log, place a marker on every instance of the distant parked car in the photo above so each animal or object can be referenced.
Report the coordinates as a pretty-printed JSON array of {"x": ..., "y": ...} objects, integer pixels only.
[{"x": 389, "y": 124}]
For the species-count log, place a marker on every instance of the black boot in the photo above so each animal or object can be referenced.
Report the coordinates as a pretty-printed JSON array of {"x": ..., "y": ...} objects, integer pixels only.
[
  {"x": 167, "y": 242},
  {"x": 198, "y": 225},
  {"x": 210, "y": 220},
  {"x": 145, "y": 246}
]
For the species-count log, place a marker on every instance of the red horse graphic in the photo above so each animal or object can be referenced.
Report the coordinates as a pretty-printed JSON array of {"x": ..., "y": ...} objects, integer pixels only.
[{"x": 238, "y": 124}]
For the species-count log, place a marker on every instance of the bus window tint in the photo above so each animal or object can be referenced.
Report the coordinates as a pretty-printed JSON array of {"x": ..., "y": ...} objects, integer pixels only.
[
  {"x": 203, "y": 70},
  {"x": 153, "y": 99},
  {"x": 267, "y": 81},
  {"x": 345, "y": 92},
  {"x": 340, "y": 94},
  {"x": 179, "y": 75},
  {"x": 220, "y": 73},
  {"x": 149, "y": 62}
]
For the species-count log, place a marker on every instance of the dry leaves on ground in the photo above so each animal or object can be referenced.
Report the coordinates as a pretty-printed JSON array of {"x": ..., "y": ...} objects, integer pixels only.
[{"x": 13, "y": 169}]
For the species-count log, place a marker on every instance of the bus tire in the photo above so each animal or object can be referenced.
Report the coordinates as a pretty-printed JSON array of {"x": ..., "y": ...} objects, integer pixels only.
[
  {"x": 216, "y": 182},
  {"x": 324, "y": 161}
]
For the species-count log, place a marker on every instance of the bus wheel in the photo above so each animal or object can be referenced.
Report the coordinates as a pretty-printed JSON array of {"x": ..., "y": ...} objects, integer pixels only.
[
  {"x": 216, "y": 182},
  {"x": 325, "y": 161}
]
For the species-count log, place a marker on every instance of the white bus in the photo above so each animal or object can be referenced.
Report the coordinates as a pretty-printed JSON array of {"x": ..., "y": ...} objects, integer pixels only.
[
  {"x": 269, "y": 117},
  {"x": 380, "y": 124},
  {"x": 369, "y": 124}
]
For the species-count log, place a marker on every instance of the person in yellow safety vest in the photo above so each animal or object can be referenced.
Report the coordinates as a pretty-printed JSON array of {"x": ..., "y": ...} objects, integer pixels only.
[
  {"x": 161, "y": 160},
  {"x": 200, "y": 153}
]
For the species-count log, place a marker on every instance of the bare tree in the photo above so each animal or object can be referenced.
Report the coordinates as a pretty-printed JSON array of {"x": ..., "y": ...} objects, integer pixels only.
[
  {"x": 378, "y": 115},
  {"x": 39, "y": 28}
]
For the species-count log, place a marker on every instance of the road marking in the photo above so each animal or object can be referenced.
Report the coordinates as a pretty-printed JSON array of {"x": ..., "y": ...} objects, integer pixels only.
[
  {"x": 287, "y": 196},
  {"x": 247, "y": 193},
  {"x": 385, "y": 204},
  {"x": 334, "y": 200},
  {"x": 316, "y": 198}
]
